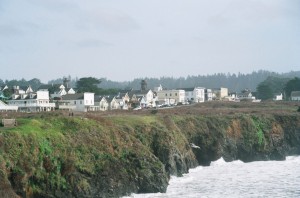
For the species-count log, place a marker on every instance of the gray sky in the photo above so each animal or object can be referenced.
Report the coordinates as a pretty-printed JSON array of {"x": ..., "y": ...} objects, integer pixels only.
[{"x": 122, "y": 40}]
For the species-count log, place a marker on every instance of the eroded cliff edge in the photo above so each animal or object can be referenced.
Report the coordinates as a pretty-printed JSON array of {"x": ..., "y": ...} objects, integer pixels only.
[{"x": 53, "y": 155}]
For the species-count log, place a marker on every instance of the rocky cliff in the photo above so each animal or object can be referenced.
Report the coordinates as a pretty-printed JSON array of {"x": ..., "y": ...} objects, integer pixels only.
[{"x": 52, "y": 155}]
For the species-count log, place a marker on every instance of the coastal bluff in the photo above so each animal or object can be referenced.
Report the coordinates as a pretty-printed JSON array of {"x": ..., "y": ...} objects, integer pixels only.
[{"x": 113, "y": 155}]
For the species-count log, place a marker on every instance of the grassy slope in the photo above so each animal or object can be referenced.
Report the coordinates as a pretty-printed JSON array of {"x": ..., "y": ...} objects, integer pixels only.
[{"x": 46, "y": 153}]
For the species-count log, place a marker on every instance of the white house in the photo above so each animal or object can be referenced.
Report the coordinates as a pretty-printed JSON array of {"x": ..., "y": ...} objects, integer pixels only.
[
  {"x": 57, "y": 90},
  {"x": 171, "y": 97},
  {"x": 32, "y": 102},
  {"x": 220, "y": 93},
  {"x": 246, "y": 95},
  {"x": 149, "y": 97},
  {"x": 196, "y": 94},
  {"x": 101, "y": 103},
  {"x": 295, "y": 95},
  {"x": 278, "y": 97},
  {"x": 77, "y": 102},
  {"x": 113, "y": 103}
]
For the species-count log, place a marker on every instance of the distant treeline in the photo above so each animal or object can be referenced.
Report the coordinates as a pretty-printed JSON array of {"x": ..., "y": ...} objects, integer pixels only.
[{"x": 235, "y": 82}]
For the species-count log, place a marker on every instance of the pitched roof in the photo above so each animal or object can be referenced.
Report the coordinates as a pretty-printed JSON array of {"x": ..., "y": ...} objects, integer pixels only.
[
  {"x": 76, "y": 96},
  {"x": 68, "y": 89},
  {"x": 109, "y": 98},
  {"x": 138, "y": 92}
]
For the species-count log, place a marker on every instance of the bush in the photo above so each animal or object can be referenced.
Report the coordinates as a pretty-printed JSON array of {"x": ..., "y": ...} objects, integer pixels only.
[{"x": 154, "y": 111}]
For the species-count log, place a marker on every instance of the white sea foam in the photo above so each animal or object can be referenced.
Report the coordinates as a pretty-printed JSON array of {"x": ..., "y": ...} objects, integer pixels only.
[{"x": 236, "y": 179}]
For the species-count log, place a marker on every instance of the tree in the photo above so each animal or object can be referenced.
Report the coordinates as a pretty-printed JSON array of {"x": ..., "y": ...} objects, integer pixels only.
[
  {"x": 292, "y": 85},
  {"x": 88, "y": 84},
  {"x": 264, "y": 91},
  {"x": 34, "y": 83}
]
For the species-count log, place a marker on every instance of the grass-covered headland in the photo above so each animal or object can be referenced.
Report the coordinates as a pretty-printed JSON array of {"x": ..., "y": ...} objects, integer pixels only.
[{"x": 110, "y": 155}]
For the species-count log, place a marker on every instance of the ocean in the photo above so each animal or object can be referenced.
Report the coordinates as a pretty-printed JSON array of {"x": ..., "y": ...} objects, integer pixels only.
[{"x": 236, "y": 179}]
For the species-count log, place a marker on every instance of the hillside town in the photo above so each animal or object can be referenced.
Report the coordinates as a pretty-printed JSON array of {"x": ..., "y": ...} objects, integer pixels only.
[{"x": 51, "y": 97}]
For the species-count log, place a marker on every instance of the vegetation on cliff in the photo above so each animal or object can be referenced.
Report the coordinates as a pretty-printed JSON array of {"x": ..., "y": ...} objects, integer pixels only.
[{"x": 100, "y": 155}]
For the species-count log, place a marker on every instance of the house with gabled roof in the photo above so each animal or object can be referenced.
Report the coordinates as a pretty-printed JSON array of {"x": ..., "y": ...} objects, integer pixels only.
[
  {"x": 3, "y": 87},
  {"x": 113, "y": 103},
  {"x": 77, "y": 102},
  {"x": 148, "y": 95},
  {"x": 104, "y": 104},
  {"x": 195, "y": 94},
  {"x": 278, "y": 97},
  {"x": 57, "y": 90},
  {"x": 32, "y": 102}
]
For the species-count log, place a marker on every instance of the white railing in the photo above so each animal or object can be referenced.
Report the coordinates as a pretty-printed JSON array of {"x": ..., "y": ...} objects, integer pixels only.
[
  {"x": 35, "y": 105},
  {"x": 67, "y": 107}
]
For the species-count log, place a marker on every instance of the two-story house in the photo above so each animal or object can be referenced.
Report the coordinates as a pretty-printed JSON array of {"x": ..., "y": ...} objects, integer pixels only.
[
  {"x": 171, "y": 97},
  {"x": 77, "y": 102},
  {"x": 194, "y": 95},
  {"x": 32, "y": 102}
]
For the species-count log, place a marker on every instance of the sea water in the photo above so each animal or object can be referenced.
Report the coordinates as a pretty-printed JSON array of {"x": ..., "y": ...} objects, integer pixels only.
[{"x": 236, "y": 179}]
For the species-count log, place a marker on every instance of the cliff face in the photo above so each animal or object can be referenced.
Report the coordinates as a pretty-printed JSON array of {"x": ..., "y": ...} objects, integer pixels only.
[{"x": 57, "y": 156}]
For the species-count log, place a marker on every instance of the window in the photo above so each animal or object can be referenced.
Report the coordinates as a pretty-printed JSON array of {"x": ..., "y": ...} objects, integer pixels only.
[
  {"x": 74, "y": 102},
  {"x": 170, "y": 94},
  {"x": 166, "y": 94},
  {"x": 175, "y": 94},
  {"x": 80, "y": 102}
]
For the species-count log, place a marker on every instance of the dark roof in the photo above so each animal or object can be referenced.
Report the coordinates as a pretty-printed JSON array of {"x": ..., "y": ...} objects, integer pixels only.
[
  {"x": 23, "y": 87},
  {"x": 121, "y": 95},
  {"x": 109, "y": 98},
  {"x": 295, "y": 93},
  {"x": 186, "y": 89},
  {"x": 138, "y": 92},
  {"x": 97, "y": 98},
  {"x": 25, "y": 98},
  {"x": 77, "y": 96}
]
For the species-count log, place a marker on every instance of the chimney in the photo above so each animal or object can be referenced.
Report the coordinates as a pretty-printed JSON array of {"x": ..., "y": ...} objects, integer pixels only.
[{"x": 143, "y": 85}]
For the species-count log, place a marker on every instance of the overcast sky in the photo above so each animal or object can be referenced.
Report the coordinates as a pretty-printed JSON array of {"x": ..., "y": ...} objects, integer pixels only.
[{"x": 125, "y": 39}]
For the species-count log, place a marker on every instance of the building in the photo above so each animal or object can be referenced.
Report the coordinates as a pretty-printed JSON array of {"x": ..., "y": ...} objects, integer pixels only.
[
  {"x": 295, "y": 95},
  {"x": 194, "y": 95},
  {"x": 246, "y": 95},
  {"x": 57, "y": 90},
  {"x": 171, "y": 97},
  {"x": 77, "y": 102},
  {"x": 101, "y": 103},
  {"x": 220, "y": 93},
  {"x": 208, "y": 95},
  {"x": 32, "y": 102},
  {"x": 148, "y": 95},
  {"x": 278, "y": 97}
]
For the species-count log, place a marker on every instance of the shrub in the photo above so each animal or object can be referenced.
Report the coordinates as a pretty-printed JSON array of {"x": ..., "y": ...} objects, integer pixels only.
[{"x": 154, "y": 111}]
